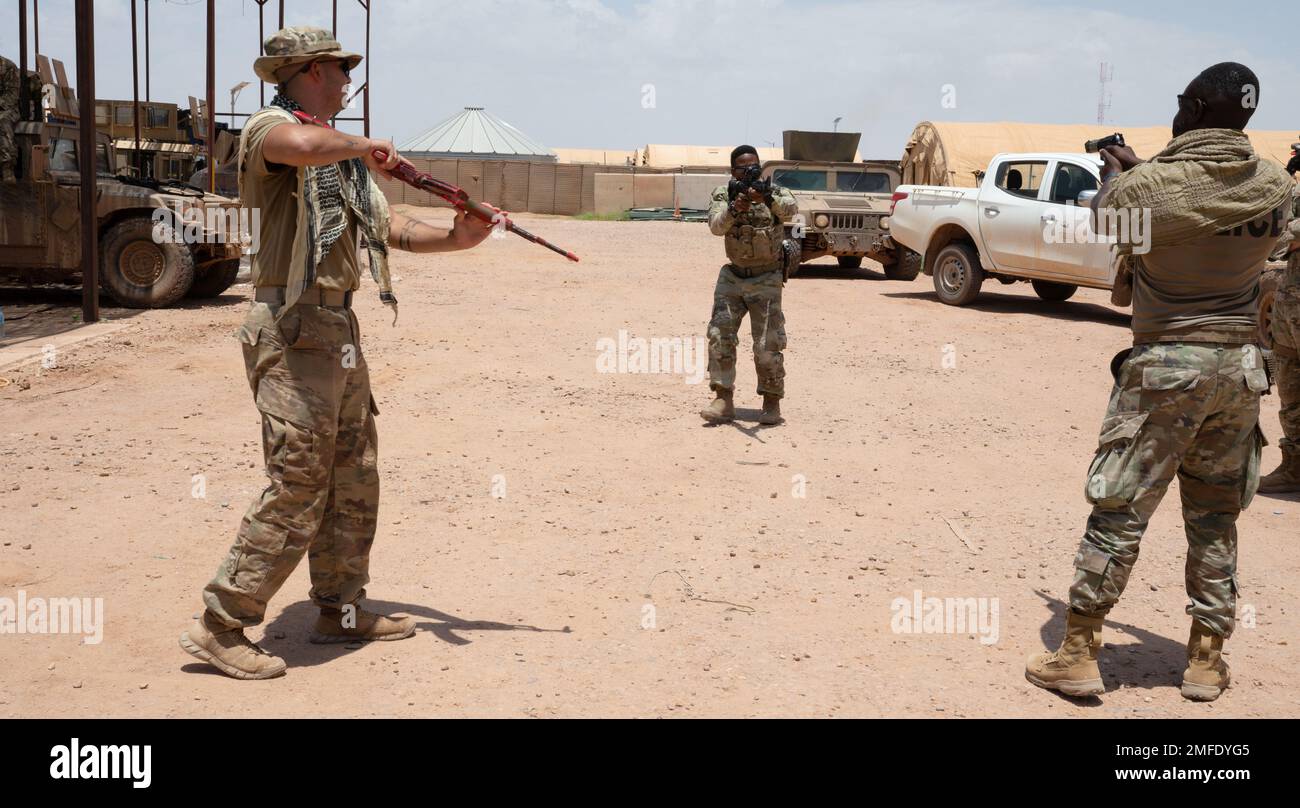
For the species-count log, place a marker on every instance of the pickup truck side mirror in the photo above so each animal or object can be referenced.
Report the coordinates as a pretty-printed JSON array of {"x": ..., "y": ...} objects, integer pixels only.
[{"x": 1085, "y": 197}]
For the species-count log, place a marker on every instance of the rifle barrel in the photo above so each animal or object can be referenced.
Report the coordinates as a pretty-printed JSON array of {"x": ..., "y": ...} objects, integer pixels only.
[
  {"x": 458, "y": 198},
  {"x": 451, "y": 193}
]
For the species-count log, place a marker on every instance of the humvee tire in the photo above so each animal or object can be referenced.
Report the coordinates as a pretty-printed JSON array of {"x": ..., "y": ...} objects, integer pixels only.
[
  {"x": 1055, "y": 292},
  {"x": 141, "y": 273},
  {"x": 216, "y": 279},
  {"x": 957, "y": 274},
  {"x": 849, "y": 261},
  {"x": 1268, "y": 283},
  {"x": 906, "y": 268}
]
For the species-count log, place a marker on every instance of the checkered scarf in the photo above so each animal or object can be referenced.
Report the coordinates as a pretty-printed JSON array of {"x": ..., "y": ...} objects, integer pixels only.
[{"x": 327, "y": 192}]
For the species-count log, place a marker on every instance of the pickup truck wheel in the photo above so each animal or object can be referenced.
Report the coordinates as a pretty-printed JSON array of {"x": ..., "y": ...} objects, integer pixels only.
[
  {"x": 216, "y": 279},
  {"x": 906, "y": 268},
  {"x": 1056, "y": 292},
  {"x": 141, "y": 273},
  {"x": 1268, "y": 284},
  {"x": 957, "y": 274},
  {"x": 849, "y": 261}
]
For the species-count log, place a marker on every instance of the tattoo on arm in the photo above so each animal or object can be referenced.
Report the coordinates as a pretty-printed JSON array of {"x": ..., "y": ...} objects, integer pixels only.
[{"x": 404, "y": 238}]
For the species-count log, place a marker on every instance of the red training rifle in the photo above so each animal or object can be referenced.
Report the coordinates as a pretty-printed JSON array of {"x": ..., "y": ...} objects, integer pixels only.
[{"x": 453, "y": 194}]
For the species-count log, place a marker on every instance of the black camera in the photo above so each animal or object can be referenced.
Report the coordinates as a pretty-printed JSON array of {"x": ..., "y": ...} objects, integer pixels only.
[
  {"x": 750, "y": 179},
  {"x": 1094, "y": 146}
]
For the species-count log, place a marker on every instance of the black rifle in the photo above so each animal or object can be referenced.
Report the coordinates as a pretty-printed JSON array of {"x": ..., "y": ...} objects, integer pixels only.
[{"x": 751, "y": 179}]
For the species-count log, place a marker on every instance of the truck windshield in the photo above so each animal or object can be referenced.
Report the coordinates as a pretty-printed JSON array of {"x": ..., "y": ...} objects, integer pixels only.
[
  {"x": 800, "y": 179},
  {"x": 866, "y": 182},
  {"x": 63, "y": 156}
]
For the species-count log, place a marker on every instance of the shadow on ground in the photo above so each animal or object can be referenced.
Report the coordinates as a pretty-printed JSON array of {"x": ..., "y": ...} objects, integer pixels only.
[
  {"x": 835, "y": 272},
  {"x": 1153, "y": 661},
  {"x": 40, "y": 312},
  {"x": 296, "y": 621},
  {"x": 994, "y": 303}
]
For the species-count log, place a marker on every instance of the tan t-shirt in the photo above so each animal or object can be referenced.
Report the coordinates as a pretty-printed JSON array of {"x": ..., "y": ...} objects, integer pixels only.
[
  {"x": 272, "y": 188},
  {"x": 1207, "y": 290}
]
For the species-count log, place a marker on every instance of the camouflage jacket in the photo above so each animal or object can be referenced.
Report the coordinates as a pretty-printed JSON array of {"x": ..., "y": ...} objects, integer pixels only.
[
  {"x": 753, "y": 238},
  {"x": 10, "y": 94},
  {"x": 8, "y": 89},
  {"x": 1289, "y": 235}
]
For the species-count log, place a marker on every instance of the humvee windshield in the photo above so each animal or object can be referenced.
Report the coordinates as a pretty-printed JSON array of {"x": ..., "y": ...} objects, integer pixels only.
[
  {"x": 847, "y": 181},
  {"x": 800, "y": 179},
  {"x": 866, "y": 182}
]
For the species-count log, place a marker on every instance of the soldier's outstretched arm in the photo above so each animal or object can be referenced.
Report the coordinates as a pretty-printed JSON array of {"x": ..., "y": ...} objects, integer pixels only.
[
  {"x": 720, "y": 218},
  {"x": 414, "y": 235},
  {"x": 292, "y": 145},
  {"x": 783, "y": 203}
]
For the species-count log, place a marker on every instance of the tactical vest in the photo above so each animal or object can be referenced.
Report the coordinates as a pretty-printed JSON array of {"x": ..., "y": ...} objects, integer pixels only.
[{"x": 755, "y": 239}]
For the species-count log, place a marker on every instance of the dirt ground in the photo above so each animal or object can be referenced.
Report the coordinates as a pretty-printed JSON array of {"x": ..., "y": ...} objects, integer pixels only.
[{"x": 579, "y": 543}]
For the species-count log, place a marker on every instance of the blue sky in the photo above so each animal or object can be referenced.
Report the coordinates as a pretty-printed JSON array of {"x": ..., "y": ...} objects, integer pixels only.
[{"x": 575, "y": 72}]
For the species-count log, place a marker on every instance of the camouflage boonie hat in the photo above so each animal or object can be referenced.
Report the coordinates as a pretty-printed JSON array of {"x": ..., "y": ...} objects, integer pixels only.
[{"x": 296, "y": 46}]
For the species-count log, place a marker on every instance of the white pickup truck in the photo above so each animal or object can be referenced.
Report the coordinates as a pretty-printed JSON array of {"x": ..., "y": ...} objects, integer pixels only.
[{"x": 999, "y": 230}]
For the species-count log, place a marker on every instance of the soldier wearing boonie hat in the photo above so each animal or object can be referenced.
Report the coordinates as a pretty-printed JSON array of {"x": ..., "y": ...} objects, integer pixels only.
[
  {"x": 295, "y": 46},
  {"x": 313, "y": 187}
]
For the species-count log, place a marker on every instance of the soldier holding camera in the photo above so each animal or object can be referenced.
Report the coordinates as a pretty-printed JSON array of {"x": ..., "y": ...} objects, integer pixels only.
[{"x": 748, "y": 213}]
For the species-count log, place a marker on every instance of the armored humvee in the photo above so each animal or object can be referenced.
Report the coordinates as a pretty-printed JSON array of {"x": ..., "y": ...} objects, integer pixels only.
[
  {"x": 157, "y": 243},
  {"x": 843, "y": 204}
]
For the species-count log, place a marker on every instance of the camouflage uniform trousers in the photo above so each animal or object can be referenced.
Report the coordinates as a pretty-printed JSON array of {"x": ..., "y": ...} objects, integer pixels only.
[
  {"x": 312, "y": 387},
  {"x": 1286, "y": 342},
  {"x": 760, "y": 296},
  {"x": 1184, "y": 408}
]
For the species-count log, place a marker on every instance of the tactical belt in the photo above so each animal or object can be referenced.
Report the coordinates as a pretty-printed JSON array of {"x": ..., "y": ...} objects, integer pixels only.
[
  {"x": 312, "y": 297},
  {"x": 754, "y": 272}
]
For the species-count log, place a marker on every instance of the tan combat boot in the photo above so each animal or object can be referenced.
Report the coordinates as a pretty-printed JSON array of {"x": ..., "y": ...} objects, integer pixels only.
[
  {"x": 1207, "y": 674},
  {"x": 1072, "y": 669},
  {"x": 771, "y": 410},
  {"x": 1285, "y": 478},
  {"x": 721, "y": 409},
  {"x": 229, "y": 651},
  {"x": 360, "y": 626}
]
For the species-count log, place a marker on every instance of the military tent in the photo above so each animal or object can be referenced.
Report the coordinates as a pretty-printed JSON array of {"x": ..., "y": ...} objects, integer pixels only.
[
  {"x": 600, "y": 157},
  {"x": 659, "y": 155},
  {"x": 951, "y": 153}
]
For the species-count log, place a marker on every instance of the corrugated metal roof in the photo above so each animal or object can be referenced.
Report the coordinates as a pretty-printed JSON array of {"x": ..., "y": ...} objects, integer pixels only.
[{"x": 475, "y": 133}]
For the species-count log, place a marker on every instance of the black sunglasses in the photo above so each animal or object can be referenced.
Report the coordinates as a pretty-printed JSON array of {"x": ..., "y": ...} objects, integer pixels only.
[{"x": 342, "y": 63}]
